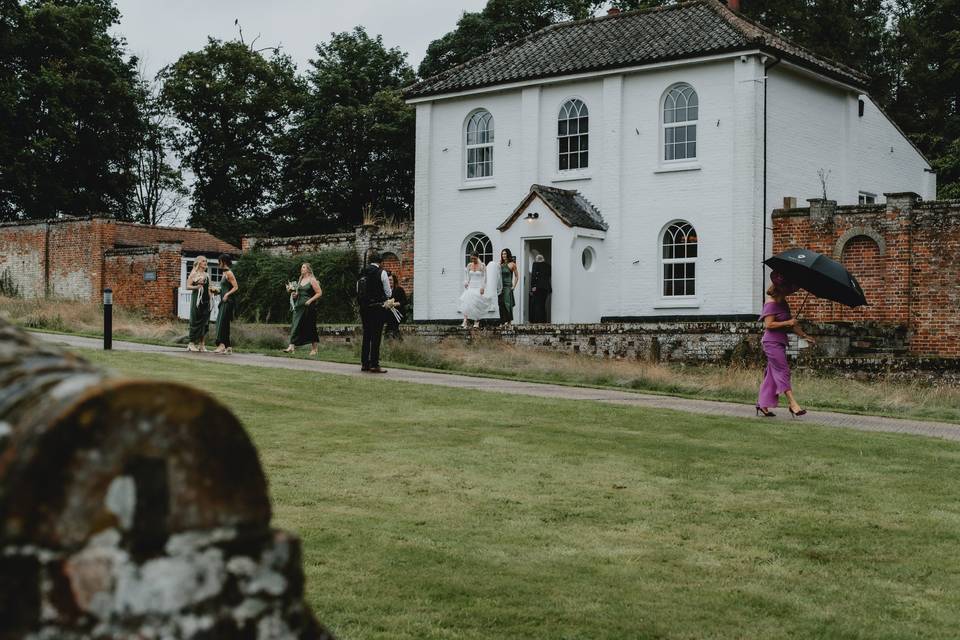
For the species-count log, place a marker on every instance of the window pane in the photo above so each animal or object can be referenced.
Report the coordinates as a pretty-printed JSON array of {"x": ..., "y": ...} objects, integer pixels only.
[
  {"x": 583, "y": 160},
  {"x": 575, "y": 143},
  {"x": 562, "y": 128},
  {"x": 584, "y": 142},
  {"x": 692, "y": 113},
  {"x": 680, "y": 134},
  {"x": 691, "y": 132},
  {"x": 668, "y": 135},
  {"x": 584, "y": 125},
  {"x": 564, "y": 145},
  {"x": 691, "y": 149},
  {"x": 669, "y": 152},
  {"x": 668, "y": 287},
  {"x": 667, "y": 116},
  {"x": 573, "y": 127},
  {"x": 564, "y": 162},
  {"x": 574, "y": 161}
]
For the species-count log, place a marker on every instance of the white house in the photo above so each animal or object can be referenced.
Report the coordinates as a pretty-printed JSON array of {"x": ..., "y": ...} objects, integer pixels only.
[{"x": 641, "y": 153}]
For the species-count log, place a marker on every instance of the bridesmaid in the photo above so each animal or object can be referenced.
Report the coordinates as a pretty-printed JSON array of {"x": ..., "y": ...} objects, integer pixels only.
[
  {"x": 199, "y": 283},
  {"x": 508, "y": 274},
  {"x": 227, "y": 305},
  {"x": 303, "y": 329},
  {"x": 778, "y": 321}
]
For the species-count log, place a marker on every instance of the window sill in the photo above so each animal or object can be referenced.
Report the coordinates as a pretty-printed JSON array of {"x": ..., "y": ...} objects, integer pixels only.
[
  {"x": 677, "y": 304},
  {"x": 671, "y": 168},
  {"x": 484, "y": 184},
  {"x": 571, "y": 177}
]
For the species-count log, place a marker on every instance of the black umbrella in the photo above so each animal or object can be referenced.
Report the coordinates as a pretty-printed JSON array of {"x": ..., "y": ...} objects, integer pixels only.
[{"x": 818, "y": 274}]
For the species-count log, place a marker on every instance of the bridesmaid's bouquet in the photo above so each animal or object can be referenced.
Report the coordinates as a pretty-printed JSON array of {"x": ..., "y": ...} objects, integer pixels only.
[
  {"x": 392, "y": 305},
  {"x": 292, "y": 289},
  {"x": 215, "y": 289}
]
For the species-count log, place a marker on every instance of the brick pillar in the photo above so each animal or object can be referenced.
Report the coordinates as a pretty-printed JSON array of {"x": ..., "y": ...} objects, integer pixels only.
[
  {"x": 901, "y": 202},
  {"x": 168, "y": 278},
  {"x": 821, "y": 210}
]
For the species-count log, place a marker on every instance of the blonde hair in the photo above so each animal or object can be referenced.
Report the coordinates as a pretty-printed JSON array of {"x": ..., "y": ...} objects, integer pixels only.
[
  {"x": 196, "y": 270},
  {"x": 309, "y": 268}
]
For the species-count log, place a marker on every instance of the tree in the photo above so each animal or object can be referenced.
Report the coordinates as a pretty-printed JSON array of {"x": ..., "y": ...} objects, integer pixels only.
[
  {"x": 68, "y": 110},
  {"x": 234, "y": 106},
  {"x": 353, "y": 145},
  {"x": 927, "y": 99},
  {"x": 158, "y": 193},
  {"x": 498, "y": 23}
]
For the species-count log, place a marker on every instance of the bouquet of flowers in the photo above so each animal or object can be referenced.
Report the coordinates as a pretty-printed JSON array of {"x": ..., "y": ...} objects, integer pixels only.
[
  {"x": 215, "y": 289},
  {"x": 392, "y": 305},
  {"x": 292, "y": 289}
]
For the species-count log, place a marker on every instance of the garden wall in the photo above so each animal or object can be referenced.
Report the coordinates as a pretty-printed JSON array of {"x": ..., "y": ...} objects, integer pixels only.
[
  {"x": 693, "y": 342},
  {"x": 396, "y": 243},
  {"x": 906, "y": 255}
]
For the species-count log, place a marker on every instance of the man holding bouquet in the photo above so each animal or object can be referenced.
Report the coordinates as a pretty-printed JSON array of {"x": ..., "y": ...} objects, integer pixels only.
[{"x": 373, "y": 298}]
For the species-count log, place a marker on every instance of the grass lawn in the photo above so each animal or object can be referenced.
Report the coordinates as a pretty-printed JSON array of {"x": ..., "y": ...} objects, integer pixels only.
[{"x": 428, "y": 512}]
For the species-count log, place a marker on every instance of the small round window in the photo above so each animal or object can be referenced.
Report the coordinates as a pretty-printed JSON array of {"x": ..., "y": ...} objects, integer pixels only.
[{"x": 587, "y": 258}]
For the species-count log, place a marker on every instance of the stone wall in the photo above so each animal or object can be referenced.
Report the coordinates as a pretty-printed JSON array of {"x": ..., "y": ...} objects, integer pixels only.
[
  {"x": 906, "y": 255},
  {"x": 395, "y": 243},
  {"x": 686, "y": 341},
  {"x": 134, "y": 509}
]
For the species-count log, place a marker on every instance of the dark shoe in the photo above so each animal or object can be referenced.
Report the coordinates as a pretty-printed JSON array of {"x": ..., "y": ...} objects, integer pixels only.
[
  {"x": 364, "y": 368},
  {"x": 765, "y": 413},
  {"x": 378, "y": 370},
  {"x": 797, "y": 414}
]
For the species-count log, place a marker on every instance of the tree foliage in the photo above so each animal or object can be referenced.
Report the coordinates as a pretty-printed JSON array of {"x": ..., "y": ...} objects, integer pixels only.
[
  {"x": 69, "y": 117},
  {"x": 353, "y": 144},
  {"x": 234, "y": 106}
]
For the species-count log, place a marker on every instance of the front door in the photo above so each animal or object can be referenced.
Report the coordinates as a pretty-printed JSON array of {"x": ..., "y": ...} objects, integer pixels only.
[{"x": 536, "y": 304}]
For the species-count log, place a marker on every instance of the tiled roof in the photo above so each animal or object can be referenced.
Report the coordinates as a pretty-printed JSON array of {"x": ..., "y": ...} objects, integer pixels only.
[
  {"x": 130, "y": 234},
  {"x": 570, "y": 206},
  {"x": 684, "y": 30}
]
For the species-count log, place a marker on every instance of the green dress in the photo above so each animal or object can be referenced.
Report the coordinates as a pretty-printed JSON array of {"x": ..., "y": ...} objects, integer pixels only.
[
  {"x": 200, "y": 312},
  {"x": 506, "y": 293},
  {"x": 225, "y": 313},
  {"x": 303, "y": 329}
]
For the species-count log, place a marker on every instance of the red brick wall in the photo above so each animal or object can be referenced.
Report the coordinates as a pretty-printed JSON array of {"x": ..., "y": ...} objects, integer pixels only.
[
  {"x": 76, "y": 259},
  {"x": 914, "y": 283},
  {"x": 124, "y": 271},
  {"x": 23, "y": 257}
]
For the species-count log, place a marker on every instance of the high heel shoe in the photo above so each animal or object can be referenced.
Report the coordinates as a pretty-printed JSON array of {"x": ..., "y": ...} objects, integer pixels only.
[
  {"x": 765, "y": 413},
  {"x": 797, "y": 414}
]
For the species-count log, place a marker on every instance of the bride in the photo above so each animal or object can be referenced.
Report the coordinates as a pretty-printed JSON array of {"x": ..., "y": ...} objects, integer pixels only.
[{"x": 481, "y": 288}]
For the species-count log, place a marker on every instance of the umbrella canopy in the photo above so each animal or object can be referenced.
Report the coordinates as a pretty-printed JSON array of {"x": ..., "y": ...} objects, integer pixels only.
[{"x": 818, "y": 274}]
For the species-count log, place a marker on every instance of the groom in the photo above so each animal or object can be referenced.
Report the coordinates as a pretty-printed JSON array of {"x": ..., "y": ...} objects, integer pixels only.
[{"x": 373, "y": 289}]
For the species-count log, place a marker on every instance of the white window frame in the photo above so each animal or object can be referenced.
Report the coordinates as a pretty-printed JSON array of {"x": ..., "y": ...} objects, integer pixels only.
[
  {"x": 477, "y": 115},
  {"x": 865, "y": 197},
  {"x": 469, "y": 246},
  {"x": 563, "y": 113},
  {"x": 663, "y": 262},
  {"x": 677, "y": 124}
]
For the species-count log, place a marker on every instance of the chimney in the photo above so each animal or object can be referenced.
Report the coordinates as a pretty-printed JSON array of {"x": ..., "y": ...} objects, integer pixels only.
[
  {"x": 733, "y": 5},
  {"x": 613, "y": 11}
]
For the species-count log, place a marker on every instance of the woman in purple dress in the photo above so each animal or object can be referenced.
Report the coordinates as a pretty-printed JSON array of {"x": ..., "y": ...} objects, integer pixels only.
[{"x": 778, "y": 322}]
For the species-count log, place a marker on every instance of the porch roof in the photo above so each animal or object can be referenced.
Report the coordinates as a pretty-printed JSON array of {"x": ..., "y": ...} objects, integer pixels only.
[{"x": 570, "y": 206}]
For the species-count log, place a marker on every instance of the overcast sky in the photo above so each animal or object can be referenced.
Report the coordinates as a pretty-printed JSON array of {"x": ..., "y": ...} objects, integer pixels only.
[{"x": 159, "y": 31}]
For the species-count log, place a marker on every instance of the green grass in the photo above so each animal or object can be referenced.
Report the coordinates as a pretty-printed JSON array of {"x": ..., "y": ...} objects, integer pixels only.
[{"x": 429, "y": 512}]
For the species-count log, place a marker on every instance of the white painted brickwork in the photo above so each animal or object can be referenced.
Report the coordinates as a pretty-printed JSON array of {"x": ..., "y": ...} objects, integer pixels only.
[{"x": 812, "y": 125}]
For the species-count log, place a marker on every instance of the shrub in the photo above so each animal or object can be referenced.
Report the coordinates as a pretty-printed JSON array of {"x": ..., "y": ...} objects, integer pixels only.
[
  {"x": 262, "y": 297},
  {"x": 8, "y": 288}
]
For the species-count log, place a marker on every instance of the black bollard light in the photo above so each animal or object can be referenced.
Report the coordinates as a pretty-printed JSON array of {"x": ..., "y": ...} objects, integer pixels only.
[{"x": 107, "y": 319}]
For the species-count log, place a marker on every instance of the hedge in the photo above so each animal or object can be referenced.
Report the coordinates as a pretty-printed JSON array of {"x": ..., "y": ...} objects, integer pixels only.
[{"x": 262, "y": 278}]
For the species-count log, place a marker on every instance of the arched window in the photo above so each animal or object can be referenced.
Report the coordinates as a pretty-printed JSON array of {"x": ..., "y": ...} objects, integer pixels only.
[
  {"x": 479, "y": 145},
  {"x": 573, "y": 135},
  {"x": 680, "y": 113},
  {"x": 679, "y": 260},
  {"x": 480, "y": 244}
]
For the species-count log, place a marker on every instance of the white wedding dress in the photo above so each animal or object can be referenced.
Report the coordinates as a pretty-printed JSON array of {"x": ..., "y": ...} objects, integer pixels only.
[{"x": 473, "y": 305}]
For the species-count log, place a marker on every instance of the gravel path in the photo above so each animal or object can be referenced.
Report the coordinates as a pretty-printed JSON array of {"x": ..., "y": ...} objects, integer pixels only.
[{"x": 541, "y": 390}]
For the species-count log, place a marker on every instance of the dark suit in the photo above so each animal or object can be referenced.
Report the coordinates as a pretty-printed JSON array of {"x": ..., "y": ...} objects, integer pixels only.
[{"x": 540, "y": 288}]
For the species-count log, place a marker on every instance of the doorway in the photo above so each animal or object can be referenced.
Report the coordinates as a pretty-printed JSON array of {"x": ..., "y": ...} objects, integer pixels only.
[{"x": 536, "y": 308}]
